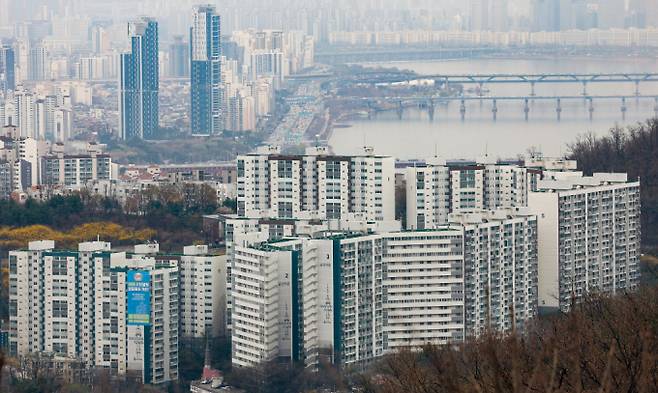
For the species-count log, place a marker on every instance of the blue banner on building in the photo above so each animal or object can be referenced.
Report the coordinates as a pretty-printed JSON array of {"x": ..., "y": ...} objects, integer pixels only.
[{"x": 138, "y": 297}]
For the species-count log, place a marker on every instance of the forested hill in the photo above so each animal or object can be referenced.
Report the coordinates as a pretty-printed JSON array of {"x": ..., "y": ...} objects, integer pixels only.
[{"x": 633, "y": 150}]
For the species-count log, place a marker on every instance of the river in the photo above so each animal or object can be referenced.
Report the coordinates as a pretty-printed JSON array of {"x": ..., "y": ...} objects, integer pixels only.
[{"x": 416, "y": 136}]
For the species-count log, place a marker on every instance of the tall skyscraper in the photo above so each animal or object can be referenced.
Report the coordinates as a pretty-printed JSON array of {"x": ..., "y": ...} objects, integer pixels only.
[
  {"x": 546, "y": 15},
  {"x": 179, "y": 58},
  {"x": 38, "y": 66},
  {"x": 139, "y": 82},
  {"x": 479, "y": 15},
  {"x": 7, "y": 68},
  {"x": 206, "y": 112}
]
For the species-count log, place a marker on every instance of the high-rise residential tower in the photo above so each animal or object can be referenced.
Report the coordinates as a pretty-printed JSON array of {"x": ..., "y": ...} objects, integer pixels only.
[
  {"x": 589, "y": 236},
  {"x": 7, "y": 68},
  {"x": 138, "y": 82},
  {"x": 205, "y": 52}
]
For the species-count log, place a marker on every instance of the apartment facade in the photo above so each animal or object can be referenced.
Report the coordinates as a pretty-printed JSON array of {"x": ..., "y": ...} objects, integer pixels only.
[
  {"x": 203, "y": 293},
  {"x": 74, "y": 171},
  {"x": 500, "y": 269},
  {"x": 316, "y": 186},
  {"x": 436, "y": 189},
  {"x": 589, "y": 236},
  {"x": 320, "y": 298},
  {"x": 265, "y": 311},
  {"x": 356, "y": 295}
]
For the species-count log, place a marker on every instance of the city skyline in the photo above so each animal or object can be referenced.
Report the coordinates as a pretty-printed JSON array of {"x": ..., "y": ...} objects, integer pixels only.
[{"x": 328, "y": 195}]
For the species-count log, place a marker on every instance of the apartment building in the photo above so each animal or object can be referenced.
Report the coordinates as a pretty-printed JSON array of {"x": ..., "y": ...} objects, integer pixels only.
[
  {"x": 478, "y": 272},
  {"x": 589, "y": 236},
  {"x": 500, "y": 269},
  {"x": 436, "y": 189},
  {"x": 203, "y": 293},
  {"x": 75, "y": 304},
  {"x": 424, "y": 281},
  {"x": 321, "y": 297},
  {"x": 74, "y": 171},
  {"x": 114, "y": 310},
  {"x": 317, "y": 185},
  {"x": 355, "y": 294},
  {"x": 265, "y": 311}
]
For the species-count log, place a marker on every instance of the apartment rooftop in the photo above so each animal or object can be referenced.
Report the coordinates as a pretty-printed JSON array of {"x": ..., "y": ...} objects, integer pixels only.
[
  {"x": 484, "y": 216},
  {"x": 98, "y": 246},
  {"x": 316, "y": 151},
  {"x": 576, "y": 180}
]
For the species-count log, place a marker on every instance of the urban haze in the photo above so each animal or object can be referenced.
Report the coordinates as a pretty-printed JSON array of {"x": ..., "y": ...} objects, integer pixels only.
[{"x": 328, "y": 196}]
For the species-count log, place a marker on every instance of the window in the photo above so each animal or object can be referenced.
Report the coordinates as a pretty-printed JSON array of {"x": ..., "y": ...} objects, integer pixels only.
[
  {"x": 60, "y": 348},
  {"x": 333, "y": 211},
  {"x": 285, "y": 169},
  {"x": 60, "y": 309},
  {"x": 240, "y": 168},
  {"x": 13, "y": 267},
  {"x": 333, "y": 170},
  {"x": 285, "y": 209},
  {"x": 59, "y": 266}
]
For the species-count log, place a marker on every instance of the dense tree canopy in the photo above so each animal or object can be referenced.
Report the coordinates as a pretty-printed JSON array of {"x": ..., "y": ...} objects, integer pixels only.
[
  {"x": 173, "y": 212},
  {"x": 633, "y": 150}
]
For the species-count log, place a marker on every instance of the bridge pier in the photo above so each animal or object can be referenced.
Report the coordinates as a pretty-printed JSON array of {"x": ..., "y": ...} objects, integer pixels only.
[
  {"x": 480, "y": 89},
  {"x": 494, "y": 110},
  {"x": 591, "y": 109},
  {"x": 558, "y": 110},
  {"x": 526, "y": 109},
  {"x": 532, "y": 89},
  {"x": 400, "y": 110},
  {"x": 623, "y": 109},
  {"x": 584, "y": 88},
  {"x": 430, "y": 109},
  {"x": 462, "y": 109},
  {"x": 637, "y": 88}
]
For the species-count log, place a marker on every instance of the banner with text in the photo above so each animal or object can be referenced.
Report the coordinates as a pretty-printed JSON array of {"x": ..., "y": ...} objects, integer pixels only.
[{"x": 138, "y": 293}]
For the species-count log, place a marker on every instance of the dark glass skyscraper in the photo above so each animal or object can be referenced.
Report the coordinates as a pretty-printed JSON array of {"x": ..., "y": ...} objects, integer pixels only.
[
  {"x": 139, "y": 82},
  {"x": 205, "y": 51},
  {"x": 7, "y": 68}
]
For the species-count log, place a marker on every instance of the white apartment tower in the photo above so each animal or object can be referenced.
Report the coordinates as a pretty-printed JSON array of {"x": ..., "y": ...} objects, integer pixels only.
[
  {"x": 476, "y": 273},
  {"x": 78, "y": 304},
  {"x": 263, "y": 308},
  {"x": 316, "y": 186},
  {"x": 203, "y": 293},
  {"x": 319, "y": 297},
  {"x": 424, "y": 281},
  {"x": 500, "y": 269},
  {"x": 435, "y": 190},
  {"x": 589, "y": 236}
]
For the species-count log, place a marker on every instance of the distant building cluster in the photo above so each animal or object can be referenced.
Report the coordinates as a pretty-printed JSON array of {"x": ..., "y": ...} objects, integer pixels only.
[
  {"x": 232, "y": 84},
  {"x": 37, "y": 169},
  {"x": 133, "y": 181},
  {"x": 228, "y": 82},
  {"x": 623, "y": 38},
  {"x": 39, "y": 116}
]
